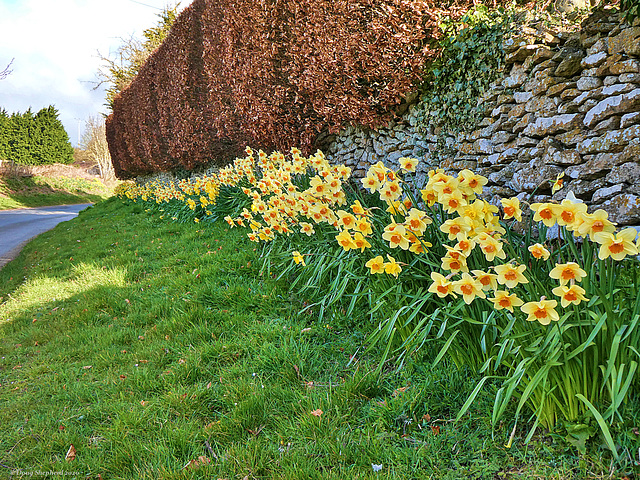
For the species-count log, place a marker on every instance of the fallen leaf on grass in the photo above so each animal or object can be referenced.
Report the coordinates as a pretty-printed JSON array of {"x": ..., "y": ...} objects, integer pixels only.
[
  {"x": 71, "y": 454},
  {"x": 199, "y": 462},
  {"x": 316, "y": 413},
  {"x": 398, "y": 391},
  {"x": 435, "y": 429},
  {"x": 143, "y": 403}
]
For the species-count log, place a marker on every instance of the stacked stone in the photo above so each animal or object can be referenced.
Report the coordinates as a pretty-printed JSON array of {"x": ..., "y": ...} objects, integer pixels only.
[
  {"x": 358, "y": 148},
  {"x": 568, "y": 105}
]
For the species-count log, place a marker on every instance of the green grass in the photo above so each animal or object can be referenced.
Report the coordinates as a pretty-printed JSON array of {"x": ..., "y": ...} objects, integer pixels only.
[
  {"x": 39, "y": 191},
  {"x": 147, "y": 344}
]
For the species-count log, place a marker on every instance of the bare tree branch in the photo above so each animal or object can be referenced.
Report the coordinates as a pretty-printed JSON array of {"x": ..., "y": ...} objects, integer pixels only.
[
  {"x": 94, "y": 143},
  {"x": 7, "y": 71}
]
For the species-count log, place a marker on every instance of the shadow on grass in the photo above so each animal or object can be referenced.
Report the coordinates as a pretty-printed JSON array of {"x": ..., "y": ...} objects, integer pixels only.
[{"x": 24, "y": 192}]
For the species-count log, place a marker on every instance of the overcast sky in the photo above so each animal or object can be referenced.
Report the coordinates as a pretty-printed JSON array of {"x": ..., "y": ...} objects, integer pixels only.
[{"x": 55, "y": 44}]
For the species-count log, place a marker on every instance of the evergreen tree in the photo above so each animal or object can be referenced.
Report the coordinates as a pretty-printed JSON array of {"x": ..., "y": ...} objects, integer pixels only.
[
  {"x": 53, "y": 144},
  {"x": 5, "y": 124},
  {"x": 19, "y": 150},
  {"x": 40, "y": 139}
]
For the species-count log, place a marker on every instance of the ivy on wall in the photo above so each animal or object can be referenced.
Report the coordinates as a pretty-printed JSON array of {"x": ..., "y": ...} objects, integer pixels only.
[
  {"x": 630, "y": 10},
  {"x": 472, "y": 57}
]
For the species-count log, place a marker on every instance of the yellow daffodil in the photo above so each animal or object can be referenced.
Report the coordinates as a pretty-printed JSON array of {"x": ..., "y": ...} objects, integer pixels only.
[
  {"x": 360, "y": 241},
  {"x": 444, "y": 185},
  {"x": 363, "y": 226},
  {"x": 306, "y": 228},
  {"x": 567, "y": 272},
  {"x": 568, "y": 295},
  {"x": 539, "y": 252},
  {"x": 429, "y": 195},
  {"x": 503, "y": 300},
  {"x": 408, "y": 164},
  {"x": 358, "y": 209},
  {"x": 511, "y": 275},
  {"x": 376, "y": 265},
  {"x": 418, "y": 245},
  {"x": 346, "y": 220},
  {"x": 557, "y": 185},
  {"x": 469, "y": 180},
  {"x": 489, "y": 281},
  {"x": 469, "y": 288},
  {"x": 617, "y": 246},
  {"x": 474, "y": 214},
  {"x": 396, "y": 235},
  {"x": 465, "y": 244},
  {"x": 345, "y": 240},
  {"x": 454, "y": 227},
  {"x": 544, "y": 212},
  {"x": 542, "y": 311},
  {"x": 417, "y": 221},
  {"x": 392, "y": 267},
  {"x": 318, "y": 187},
  {"x": 491, "y": 247},
  {"x": 454, "y": 263},
  {"x": 511, "y": 207},
  {"x": 568, "y": 212},
  {"x": 396, "y": 207},
  {"x": 390, "y": 191},
  {"x": 440, "y": 286},
  {"x": 298, "y": 258},
  {"x": 595, "y": 222},
  {"x": 452, "y": 202}
]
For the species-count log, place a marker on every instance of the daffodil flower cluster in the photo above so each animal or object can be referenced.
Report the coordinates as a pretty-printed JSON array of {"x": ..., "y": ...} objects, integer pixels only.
[
  {"x": 279, "y": 205},
  {"x": 195, "y": 192},
  {"x": 297, "y": 194},
  {"x": 477, "y": 225}
]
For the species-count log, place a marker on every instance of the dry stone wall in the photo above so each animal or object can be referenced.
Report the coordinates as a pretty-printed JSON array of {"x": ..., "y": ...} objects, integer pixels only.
[{"x": 569, "y": 103}]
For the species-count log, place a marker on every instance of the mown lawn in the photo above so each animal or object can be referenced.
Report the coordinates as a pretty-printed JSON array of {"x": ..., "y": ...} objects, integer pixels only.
[
  {"x": 158, "y": 350},
  {"x": 38, "y": 191}
]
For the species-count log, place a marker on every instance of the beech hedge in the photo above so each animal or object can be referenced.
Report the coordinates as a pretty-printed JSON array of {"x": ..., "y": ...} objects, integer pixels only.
[{"x": 270, "y": 74}]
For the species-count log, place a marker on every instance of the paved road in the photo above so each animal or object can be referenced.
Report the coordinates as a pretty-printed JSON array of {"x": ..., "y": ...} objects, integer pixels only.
[{"x": 19, "y": 226}]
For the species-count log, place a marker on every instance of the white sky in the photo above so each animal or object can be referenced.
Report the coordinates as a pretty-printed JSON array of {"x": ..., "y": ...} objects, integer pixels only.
[{"x": 55, "y": 45}]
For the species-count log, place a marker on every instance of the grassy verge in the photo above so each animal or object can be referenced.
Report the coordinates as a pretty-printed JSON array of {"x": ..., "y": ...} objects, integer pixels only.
[
  {"x": 38, "y": 191},
  {"x": 158, "y": 351}
]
